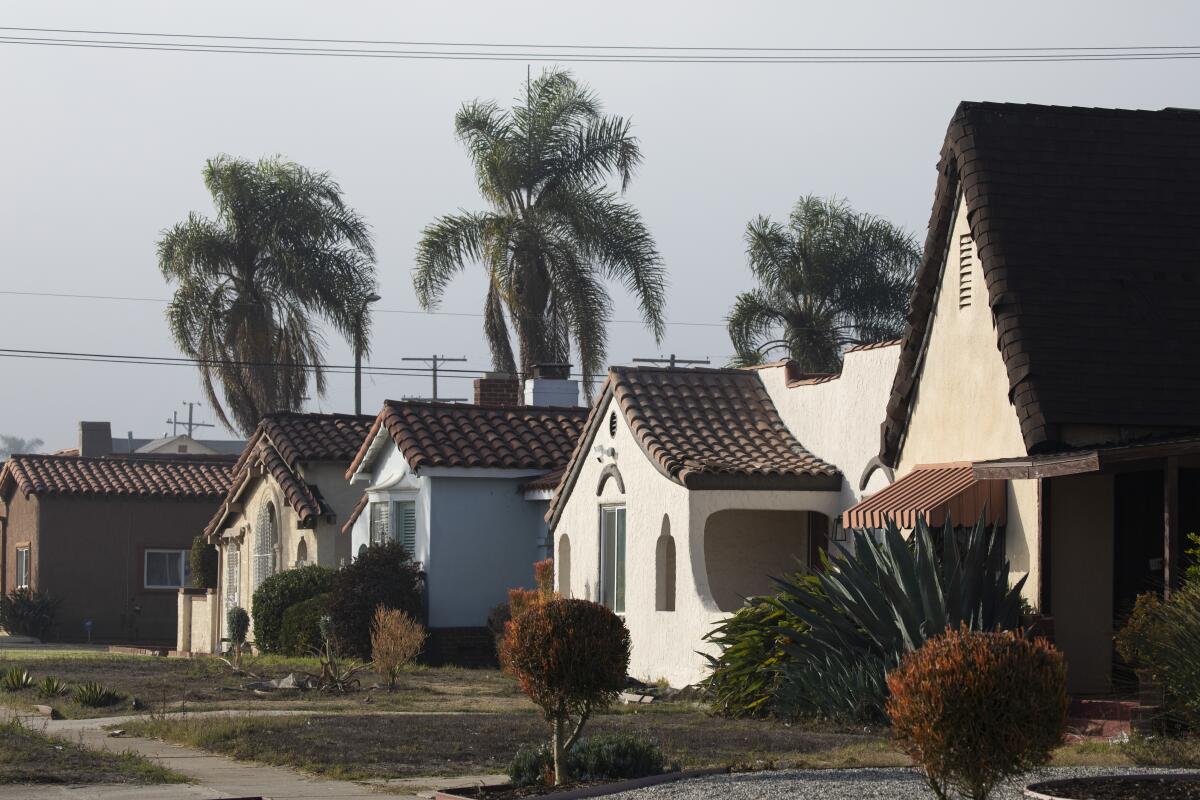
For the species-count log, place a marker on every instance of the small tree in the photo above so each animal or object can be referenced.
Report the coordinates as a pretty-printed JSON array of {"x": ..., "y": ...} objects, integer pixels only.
[
  {"x": 384, "y": 575},
  {"x": 571, "y": 658},
  {"x": 204, "y": 563},
  {"x": 396, "y": 640},
  {"x": 973, "y": 708},
  {"x": 237, "y": 624}
]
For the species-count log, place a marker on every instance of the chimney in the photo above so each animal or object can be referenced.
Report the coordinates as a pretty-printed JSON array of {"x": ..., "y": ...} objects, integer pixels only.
[
  {"x": 550, "y": 385},
  {"x": 497, "y": 389},
  {"x": 95, "y": 439}
]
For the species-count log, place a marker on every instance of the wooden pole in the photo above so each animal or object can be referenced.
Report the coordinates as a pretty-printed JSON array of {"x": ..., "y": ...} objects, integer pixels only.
[
  {"x": 1172, "y": 550},
  {"x": 1045, "y": 549}
]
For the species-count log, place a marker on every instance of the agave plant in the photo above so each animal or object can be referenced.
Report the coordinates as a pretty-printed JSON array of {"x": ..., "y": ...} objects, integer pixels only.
[
  {"x": 94, "y": 694},
  {"x": 49, "y": 687},
  {"x": 14, "y": 679}
]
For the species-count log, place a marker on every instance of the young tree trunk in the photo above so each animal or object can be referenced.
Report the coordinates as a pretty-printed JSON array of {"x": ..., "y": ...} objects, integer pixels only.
[{"x": 559, "y": 741}]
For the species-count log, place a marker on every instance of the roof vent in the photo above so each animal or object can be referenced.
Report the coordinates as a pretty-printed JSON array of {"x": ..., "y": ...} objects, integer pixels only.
[{"x": 964, "y": 270}]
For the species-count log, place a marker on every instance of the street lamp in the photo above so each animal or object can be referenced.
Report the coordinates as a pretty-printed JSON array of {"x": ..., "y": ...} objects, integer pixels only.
[{"x": 371, "y": 298}]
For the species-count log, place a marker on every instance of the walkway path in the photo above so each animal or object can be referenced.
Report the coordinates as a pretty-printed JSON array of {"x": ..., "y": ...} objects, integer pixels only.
[{"x": 215, "y": 776}]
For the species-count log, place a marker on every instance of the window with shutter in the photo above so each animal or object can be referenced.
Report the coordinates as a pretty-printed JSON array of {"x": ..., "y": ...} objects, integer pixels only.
[
  {"x": 965, "y": 258},
  {"x": 406, "y": 525}
]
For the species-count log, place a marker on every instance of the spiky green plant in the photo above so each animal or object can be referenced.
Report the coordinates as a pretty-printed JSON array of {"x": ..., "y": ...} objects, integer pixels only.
[
  {"x": 554, "y": 233},
  {"x": 51, "y": 687},
  {"x": 94, "y": 694},
  {"x": 14, "y": 679},
  {"x": 884, "y": 600}
]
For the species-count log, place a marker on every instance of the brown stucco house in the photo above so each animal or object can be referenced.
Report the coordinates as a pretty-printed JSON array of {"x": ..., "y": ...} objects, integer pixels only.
[
  {"x": 286, "y": 503},
  {"x": 107, "y": 535},
  {"x": 1049, "y": 369}
]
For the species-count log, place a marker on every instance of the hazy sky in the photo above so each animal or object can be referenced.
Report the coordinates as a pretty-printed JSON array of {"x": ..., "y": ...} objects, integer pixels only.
[{"x": 102, "y": 149}]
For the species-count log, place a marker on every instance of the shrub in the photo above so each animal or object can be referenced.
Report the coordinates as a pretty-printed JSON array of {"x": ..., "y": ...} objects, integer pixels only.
[
  {"x": 1171, "y": 650},
  {"x": 883, "y": 601},
  {"x": 396, "y": 641},
  {"x": 1137, "y": 636},
  {"x": 50, "y": 687},
  {"x": 277, "y": 594},
  {"x": 608, "y": 757},
  {"x": 93, "y": 694},
  {"x": 27, "y": 612},
  {"x": 300, "y": 633},
  {"x": 384, "y": 575},
  {"x": 973, "y": 708},
  {"x": 204, "y": 562},
  {"x": 570, "y": 657},
  {"x": 520, "y": 599},
  {"x": 14, "y": 679},
  {"x": 237, "y": 625}
]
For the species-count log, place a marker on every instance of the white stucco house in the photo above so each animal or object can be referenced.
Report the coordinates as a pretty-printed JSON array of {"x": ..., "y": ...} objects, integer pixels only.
[
  {"x": 691, "y": 488},
  {"x": 285, "y": 507},
  {"x": 465, "y": 487}
]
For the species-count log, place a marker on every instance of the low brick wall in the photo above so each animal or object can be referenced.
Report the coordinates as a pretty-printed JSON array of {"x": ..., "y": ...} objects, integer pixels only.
[{"x": 460, "y": 647}]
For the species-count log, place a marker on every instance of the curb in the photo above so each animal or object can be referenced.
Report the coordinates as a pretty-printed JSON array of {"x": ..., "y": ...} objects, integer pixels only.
[{"x": 600, "y": 790}]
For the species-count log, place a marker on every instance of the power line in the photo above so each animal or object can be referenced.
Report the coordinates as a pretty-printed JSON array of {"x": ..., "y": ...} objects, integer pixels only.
[
  {"x": 415, "y": 312},
  {"x": 1158, "y": 53}
]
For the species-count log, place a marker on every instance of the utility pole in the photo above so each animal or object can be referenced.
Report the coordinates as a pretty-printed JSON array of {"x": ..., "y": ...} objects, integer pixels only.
[
  {"x": 672, "y": 361},
  {"x": 190, "y": 424},
  {"x": 433, "y": 361}
]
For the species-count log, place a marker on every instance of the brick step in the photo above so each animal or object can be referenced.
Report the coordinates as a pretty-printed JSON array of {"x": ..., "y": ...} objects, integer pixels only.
[
  {"x": 1097, "y": 728},
  {"x": 1104, "y": 709}
]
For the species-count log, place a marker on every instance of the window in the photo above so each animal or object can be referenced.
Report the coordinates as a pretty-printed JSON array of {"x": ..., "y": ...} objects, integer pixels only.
[
  {"x": 664, "y": 569},
  {"x": 301, "y": 553},
  {"x": 233, "y": 575},
  {"x": 24, "y": 568},
  {"x": 612, "y": 558},
  {"x": 395, "y": 520},
  {"x": 379, "y": 522},
  {"x": 266, "y": 545},
  {"x": 167, "y": 569}
]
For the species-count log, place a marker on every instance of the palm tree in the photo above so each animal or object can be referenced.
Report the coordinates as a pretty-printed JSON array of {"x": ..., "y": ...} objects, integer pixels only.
[
  {"x": 284, "y": 249},
  {"x": 553, "y": 231},
  {"x": 830, "y": 278}
]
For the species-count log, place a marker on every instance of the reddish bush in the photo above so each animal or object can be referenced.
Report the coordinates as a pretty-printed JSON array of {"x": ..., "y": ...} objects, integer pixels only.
[
  {"x": 571, "y": 658},
  {"x": 973, "y": 708}
]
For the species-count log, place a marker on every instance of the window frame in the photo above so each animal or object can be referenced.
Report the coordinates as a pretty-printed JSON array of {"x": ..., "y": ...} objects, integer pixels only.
[
  {"x": 184, "y": 569},
  {"x": 618, "y": 566},
  {"x": 27, "y": 549}
]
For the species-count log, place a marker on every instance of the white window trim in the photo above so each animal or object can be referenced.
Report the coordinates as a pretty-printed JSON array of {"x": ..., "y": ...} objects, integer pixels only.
[
  {"x": 400, "y": 495},
  {"x": 600, "y": 586},
  {"x": 28, "y": 551},
  {"x": 183, "y": 568}
]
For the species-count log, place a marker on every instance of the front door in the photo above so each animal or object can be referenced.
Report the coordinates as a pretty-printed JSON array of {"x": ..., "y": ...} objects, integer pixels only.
[{"x": 1137, "y": 538}]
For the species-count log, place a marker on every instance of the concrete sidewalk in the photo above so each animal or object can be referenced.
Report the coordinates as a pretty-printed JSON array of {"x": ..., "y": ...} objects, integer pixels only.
[{"x": 215, "y": 776}]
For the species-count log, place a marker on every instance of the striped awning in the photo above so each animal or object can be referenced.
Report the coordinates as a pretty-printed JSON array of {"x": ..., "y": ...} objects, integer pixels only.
[{"x": 934, "y": 491}]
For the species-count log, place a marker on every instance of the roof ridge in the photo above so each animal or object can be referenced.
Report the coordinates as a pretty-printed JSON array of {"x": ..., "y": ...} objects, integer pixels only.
[{"x": 480, "y": 407}]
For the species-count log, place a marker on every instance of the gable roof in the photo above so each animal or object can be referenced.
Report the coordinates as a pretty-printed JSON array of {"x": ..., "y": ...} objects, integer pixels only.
[
  {"x": 1085, "y": 222},
  {"x": 435, "y": 434},
  {"x": 703, "y": 429},
  {"x": 279, "y": 445},
  {"x": 140, "y": 476}
]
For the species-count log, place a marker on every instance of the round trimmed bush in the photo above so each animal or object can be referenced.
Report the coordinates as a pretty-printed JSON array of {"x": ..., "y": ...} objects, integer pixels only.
[
  {"x": 300, "y": 633},
  {"x": 973, "y": 708},
  {"x": 383, "y": 575},
  {"x": 280, "y": 592}
]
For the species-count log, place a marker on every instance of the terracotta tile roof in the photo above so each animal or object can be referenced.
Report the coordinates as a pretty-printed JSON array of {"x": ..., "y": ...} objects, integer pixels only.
[
  {"x": 1084, "y": 220},
  {"x": 704, "y": 429},
  {"x": 117, "y": 476},
  {"x": 279, "y": 445},
  {"x": 359, "y": 507},
  {"x": 433, "y": 434},
  {"x": 932, "y": 491},
  {"x": 545, "y": 483}
]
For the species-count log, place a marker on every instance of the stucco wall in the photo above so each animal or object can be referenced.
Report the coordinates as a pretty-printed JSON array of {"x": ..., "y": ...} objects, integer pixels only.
[
  {"x": 744, "y": 549},
  {"x": 1081, "y": 545},
  {"x": 961, "y": 410},
  {"x": 838, "y": 420},
  {"x": 20, "y": 527}
]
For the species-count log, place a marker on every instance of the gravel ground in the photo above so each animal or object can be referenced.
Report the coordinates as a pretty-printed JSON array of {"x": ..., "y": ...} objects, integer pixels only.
[{"x": 835, "y": 784}]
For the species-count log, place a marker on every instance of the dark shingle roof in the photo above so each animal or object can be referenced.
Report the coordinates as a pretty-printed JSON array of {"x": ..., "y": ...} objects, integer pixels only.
[
  {"x": 281, "y": 442},
  {"x": 433, "y": 434},
  {"x": 704, "y": 429},
  {"x": 117, "y": 476},
  {"x": 1086, "y": 224}
]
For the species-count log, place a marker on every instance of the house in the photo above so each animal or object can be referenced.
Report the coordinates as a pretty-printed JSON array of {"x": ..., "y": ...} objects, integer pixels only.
[
  {"x": 465, "y": 487},
  {"x": 108, "y": 535},
  {"x": 1050, "y": 360},
  {"x": 690, "y": 489},
  {"x": 98, "y": 432},
  {"x": 284, "y": 508}
]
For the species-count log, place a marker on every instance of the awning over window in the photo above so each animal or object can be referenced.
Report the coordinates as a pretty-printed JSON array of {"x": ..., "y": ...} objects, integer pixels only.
[{"x": 935, "y": 491}]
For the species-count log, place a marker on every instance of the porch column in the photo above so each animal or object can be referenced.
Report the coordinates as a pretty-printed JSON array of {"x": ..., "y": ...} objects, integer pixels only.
[
  {"x": 1172, "y": 550},
  {"x": 1045, "y": 571}
]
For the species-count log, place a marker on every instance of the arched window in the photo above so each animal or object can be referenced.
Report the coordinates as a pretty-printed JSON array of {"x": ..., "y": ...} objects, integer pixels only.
[
  {"x": 301, "y": 553},
  {"x": 664, "y": 568},
  {"x": 564, "y": 566},
  {"x": 362, "y": 549},
  {"x": 233, "y": 575},
  {"x": 266, "y": 544}
]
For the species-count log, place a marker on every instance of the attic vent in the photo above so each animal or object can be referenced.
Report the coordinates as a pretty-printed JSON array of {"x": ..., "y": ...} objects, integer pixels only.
[
  {"x": 612, "y": 424},
  {"x": 964, "y": 270}
]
